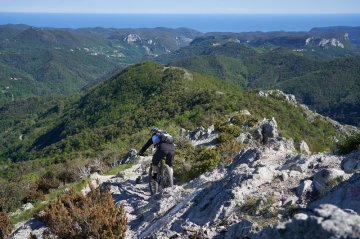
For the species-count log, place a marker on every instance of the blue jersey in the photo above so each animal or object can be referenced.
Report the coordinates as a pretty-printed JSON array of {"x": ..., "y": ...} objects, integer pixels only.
[{"x": 155, "y": 139}]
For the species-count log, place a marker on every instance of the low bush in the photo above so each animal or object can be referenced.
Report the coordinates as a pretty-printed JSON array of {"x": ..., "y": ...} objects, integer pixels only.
[
  {"x": 47, "y": 182},
  {"x": 34, "y": 195},
  {"x": 350, "y": 143},
  {"x": 5, "y": 227},
  {"x": 11, "y": 195},
  {"x": 74, "y": 215},
  {"x": 203, "y": 160},
  {"x": 229, "y": 151}
]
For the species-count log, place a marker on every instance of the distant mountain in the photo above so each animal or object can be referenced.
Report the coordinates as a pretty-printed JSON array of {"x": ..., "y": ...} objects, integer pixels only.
[
  {"x": 350, "y": 33},
  {"x": 318, "y": 43},
  {"x": 48, "y": 61},
  {"x": 45, "y": 61}
]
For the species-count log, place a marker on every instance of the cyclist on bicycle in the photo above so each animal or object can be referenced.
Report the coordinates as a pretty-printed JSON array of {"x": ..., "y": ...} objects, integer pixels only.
[{"x": 165, "y": 148}]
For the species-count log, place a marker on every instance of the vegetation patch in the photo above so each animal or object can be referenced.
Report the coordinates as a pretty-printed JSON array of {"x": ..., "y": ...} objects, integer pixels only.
[
  {"x": 350, "y": 143},
  {"x": 5, "y": 227},
  {"x": 95, "y": 215}
]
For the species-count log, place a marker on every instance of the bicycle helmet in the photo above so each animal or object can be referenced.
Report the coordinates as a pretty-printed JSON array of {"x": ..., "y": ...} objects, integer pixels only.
[{"x": 154, "y": 130}]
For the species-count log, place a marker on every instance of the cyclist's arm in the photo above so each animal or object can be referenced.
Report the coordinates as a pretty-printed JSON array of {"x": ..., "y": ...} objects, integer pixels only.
[{"x": 146, "y": 146}]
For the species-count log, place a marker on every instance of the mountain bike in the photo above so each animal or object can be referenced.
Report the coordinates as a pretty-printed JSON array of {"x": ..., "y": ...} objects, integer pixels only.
[{"x": 164, "y": 178}]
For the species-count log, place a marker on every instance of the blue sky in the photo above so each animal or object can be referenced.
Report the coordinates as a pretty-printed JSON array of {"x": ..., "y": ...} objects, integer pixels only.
[{"x": 182, "y": 6}]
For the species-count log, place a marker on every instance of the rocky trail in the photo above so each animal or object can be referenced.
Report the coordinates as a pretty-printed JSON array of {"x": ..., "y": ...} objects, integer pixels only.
[
  {"x": 268, "y": 183},
  {"x": 261, "y": 186},
  {"x": 270, "y": 190}
]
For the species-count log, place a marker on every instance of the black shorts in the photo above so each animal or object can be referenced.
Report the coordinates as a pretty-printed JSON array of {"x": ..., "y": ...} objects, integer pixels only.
[{"x": 166, "y": 151}]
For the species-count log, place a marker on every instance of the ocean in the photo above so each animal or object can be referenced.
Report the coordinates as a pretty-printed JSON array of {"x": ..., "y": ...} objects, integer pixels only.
[{"x": 202, "y": 22}]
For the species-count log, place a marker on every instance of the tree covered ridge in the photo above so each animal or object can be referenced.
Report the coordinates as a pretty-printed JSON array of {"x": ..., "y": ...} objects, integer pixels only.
[
  {"x": 331, "y": 87},
  {"x": 144, "y": 95}
]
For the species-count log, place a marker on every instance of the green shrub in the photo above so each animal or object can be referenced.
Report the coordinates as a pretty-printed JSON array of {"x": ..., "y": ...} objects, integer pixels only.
[
  {"x": 227, "y": 132},
  {"x": 67, "y": 176},
  {"x": 11, "y": 195},
  {"x": 244, "y": 120},
  {"x": 95, "y": 215},
  {"x": 350, "y": 143},
  {"x": 203, "y": 160}
]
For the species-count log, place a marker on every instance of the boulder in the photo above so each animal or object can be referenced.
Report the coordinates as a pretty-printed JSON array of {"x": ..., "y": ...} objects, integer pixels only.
[
  {"x": 284, "y": 175},
  {"x": 351, "y": 163},
  {"x": 258, "y": 135},
  {"x": 304, "y": 189},
  {"x": 290, "y": 98},
  {"x": 183, "y": 133},
  {"x": 263, "y": 94},
  {"x": 202, "y": 136},
  {"x": 298, "y": 163},
  {"x": 326, "y": 221},
  {"x": 27, "y": 206},
  {"x": 295, "y": 174},
  {"x": 245, "y": 112},
  {"x": 244, "y": 138},
  {"x": 281, "y": 144},
  {"x": 130, "y": 156},
  {"x": 248, "y": 157},
  {"x": 345, "y": 196},
  {"x": 239, "y": 230},
  {"x": 269, "y": 129},
  {"x": 33, "y": 228},
  {"x": 266, "y": 130},
  {"x": 304, "y": 148},
  {"x": 292, "y": 200},
  {"x": 326, "y": 179},
  {"x": 200, "y": 133}
]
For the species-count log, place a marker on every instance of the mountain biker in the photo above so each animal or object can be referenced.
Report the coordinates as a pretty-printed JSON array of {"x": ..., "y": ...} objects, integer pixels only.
[{"x": 165, "y": 148}]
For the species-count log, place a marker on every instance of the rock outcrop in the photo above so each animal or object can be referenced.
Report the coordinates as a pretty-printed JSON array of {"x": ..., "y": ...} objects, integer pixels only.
[
  {"x": 326, "y": 179},
  {"x": 132, "y": 38},
  {"x": 351, "y": 163},
  {"x": 201, "y": 136},
  {"x": 326, "y": 221},
  {"x": 304, "y": 148},
  {"x": 130, "y": 156},
  {"x": 345, "y": 195}
]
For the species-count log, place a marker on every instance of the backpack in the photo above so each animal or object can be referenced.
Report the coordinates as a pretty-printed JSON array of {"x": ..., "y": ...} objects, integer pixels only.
[{"x": 165, "y": 137}]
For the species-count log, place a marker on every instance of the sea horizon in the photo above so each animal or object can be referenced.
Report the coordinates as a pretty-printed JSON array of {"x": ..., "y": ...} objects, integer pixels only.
[{"x": 200, "y": 22}]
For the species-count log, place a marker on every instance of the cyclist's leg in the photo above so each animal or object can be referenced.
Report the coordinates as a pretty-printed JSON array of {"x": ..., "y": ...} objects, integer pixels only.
[
  {"x": 170, "y": 158},
  {"x": 159, "y": 154}
]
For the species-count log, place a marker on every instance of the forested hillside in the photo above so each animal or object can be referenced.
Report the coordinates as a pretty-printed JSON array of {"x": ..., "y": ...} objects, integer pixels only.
[{"x": 330, "y": 87}]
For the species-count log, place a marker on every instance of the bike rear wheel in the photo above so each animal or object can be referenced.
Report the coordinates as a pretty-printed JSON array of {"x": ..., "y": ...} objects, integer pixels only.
[{"x": 167, "y": 179}]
